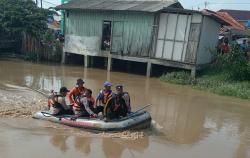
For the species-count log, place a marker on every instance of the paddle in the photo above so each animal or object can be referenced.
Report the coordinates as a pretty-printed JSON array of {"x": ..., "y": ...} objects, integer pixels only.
[
  {"x": 134, "y": 113},
  {"x": 142, "y": 108}
]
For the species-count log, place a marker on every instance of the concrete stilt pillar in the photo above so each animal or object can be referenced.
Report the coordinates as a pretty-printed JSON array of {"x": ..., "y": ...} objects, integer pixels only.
[
  {"x": 193, "y": 72},
  {"x": 91, "y": 60},
  {"x": 109, "y": 66},
  {"x": 63, "y": 58},
  {"x": 108, "y": 75},
  {"x": 149, "y": 65},
  {"x": 86, "y": 61},
  {"x": 85, "y": 73}
]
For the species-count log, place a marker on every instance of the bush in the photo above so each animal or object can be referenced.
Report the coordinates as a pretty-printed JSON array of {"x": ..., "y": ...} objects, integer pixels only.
[
  {"x": 235, "y": 65},
  {"x": 229, "y": 75},
  {"x": 237, "y": 89},
  {"x": 48, "y": 37},
  {"x": 181, "y": 77},
  {"x": 30, "y": 56}
]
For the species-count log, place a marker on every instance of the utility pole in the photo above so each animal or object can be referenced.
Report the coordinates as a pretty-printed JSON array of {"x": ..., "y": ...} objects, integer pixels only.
[
  {"x": 206, "y": 3},
  {"x": 41, "y": 3}
]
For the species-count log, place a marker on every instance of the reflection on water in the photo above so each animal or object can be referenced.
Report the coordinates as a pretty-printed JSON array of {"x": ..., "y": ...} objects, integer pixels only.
[
  {"x": 182, "y": 120},
  {"x": 112, "y": 148},
  {"x": 191, "y": 123},
  {"x": 59, "y": 141},
  {"x": 82, "y": 144}
]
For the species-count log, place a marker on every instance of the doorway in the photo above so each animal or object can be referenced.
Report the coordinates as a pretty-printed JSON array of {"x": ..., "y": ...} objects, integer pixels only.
[{"x": 106, "y": 35}]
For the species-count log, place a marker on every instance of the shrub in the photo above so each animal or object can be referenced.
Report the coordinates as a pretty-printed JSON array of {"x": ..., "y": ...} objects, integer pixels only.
[
  {"x": 181, "y": 77},
  {"x": 30, "y": 56},
  {"x": 235, "y": 65}
]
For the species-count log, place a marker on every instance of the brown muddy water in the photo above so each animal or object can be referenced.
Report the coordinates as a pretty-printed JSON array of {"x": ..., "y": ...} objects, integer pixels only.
[{"x": 187, "y": 123}]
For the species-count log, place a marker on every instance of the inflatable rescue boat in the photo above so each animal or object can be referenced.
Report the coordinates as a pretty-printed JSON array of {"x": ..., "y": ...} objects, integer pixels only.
[{"x": 137, "y": 120}]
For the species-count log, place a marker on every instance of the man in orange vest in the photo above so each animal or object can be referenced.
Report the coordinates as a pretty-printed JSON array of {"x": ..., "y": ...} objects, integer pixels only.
[
  {"x": 76, "y": 92},
  {"x": 86, "y": 106}
]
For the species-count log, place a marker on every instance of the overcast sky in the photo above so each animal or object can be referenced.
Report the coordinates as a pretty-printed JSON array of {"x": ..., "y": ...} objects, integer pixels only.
[{"x": 191, "y": 4}]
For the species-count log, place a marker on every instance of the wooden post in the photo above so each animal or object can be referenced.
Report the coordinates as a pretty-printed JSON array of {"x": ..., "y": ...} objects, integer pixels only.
[
  {"x": 41, "y": 3},
  {"x": 109, "y": 67},
  {"x": 193, "y": 72},
  {"x": 149, "y": 68},
  {"x": 86, "y": 64},
  {"x": 63, "y": 57},
  {"x": 108, "y": 75},
  {"x": 91, "y": 60},
  {"x": 85, "y": 73}
]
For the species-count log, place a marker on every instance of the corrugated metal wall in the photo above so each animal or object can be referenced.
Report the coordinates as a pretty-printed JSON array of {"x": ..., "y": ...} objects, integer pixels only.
[
  {"x": 178, "y": 37},
  {"x": 208, "y": 40},
  {"x": 134, "y": 29}
]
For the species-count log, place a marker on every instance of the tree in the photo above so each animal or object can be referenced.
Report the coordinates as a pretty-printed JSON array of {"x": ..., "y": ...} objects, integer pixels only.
[{"x": 18, "y": 16}]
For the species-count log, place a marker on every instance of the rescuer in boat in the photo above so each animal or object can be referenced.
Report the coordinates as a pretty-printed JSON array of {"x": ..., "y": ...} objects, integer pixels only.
[
  {"x": 116, "y": 107},
  {"x": 85, "y": 106},
  {"x": 57, "y": 104},
  {"x": 76, "y": 92},
  {"x": 104, "y": 95},
  {"x": 124, "y": 95}
]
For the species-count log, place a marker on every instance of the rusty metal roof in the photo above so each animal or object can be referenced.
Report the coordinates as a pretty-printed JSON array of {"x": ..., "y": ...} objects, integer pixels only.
[
  {"x": 223, "y": 16},
  {"x": 131, "y": 5},
  {"x": 241, "y": 15}
]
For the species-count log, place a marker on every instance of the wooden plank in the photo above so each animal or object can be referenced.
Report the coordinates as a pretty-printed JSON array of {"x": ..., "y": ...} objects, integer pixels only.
[
  {"x": 175, "y": 36},
  {"x": 192, "y": 43},
  {"x": 185, "y": 36},
  {"x": 166, "y": 30},
  {"x": 171, "y": 63}
]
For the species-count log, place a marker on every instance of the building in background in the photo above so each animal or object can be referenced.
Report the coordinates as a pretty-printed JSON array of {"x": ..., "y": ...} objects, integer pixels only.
[
  {"x": 152, "y": 32},
  {"x": 232, "y": 29},
  {"x": 242, "y": 16},
  {"x": 53, "y": 21}
]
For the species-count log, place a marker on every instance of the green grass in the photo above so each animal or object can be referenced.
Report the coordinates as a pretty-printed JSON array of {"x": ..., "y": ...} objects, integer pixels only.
[{"x": 211, "y": 80}]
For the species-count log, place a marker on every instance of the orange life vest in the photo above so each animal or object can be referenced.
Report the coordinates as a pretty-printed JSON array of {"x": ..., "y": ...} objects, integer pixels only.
[
  {"x": 106, "y": 96},
  {"x": 80, "y": 107},
  {"x": 53, "y": 99},
  {"x": 76, "y": 92}
]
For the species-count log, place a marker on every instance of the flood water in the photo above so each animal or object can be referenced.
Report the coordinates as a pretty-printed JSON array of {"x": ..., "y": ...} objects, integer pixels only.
[{"x": 187, "y": 123}]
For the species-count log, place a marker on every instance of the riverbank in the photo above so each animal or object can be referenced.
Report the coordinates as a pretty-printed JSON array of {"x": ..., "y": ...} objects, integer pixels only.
[{"x": 211, "y": 80}]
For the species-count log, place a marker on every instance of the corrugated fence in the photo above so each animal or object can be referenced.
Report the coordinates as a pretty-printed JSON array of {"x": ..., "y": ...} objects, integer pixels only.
[{"x": 34, "y": 49}]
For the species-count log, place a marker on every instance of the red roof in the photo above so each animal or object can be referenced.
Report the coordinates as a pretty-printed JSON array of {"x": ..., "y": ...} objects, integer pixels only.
[
  {"x": 225, "y": 17},
  {"x": 234, "y": 23},
  {"x": 242, "y": 15}
]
